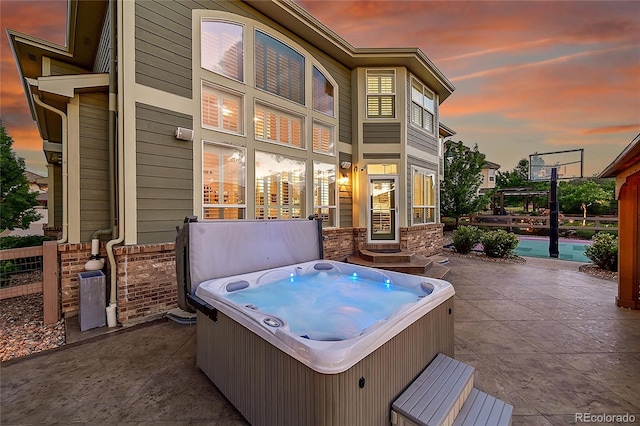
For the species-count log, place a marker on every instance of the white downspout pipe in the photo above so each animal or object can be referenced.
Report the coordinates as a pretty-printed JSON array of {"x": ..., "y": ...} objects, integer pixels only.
[
  {"x": 65, "y": 167},
  {"x": 114, "y": 140}
]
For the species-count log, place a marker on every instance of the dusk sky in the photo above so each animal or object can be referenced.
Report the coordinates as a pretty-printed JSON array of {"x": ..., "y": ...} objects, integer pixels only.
[{"x": 529, "y": 76}]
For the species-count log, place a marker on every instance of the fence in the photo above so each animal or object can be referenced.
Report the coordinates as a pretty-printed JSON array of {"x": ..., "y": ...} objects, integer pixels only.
[
  {"x": 25, "y": 260},
  {"x": 566, "y": 223}
]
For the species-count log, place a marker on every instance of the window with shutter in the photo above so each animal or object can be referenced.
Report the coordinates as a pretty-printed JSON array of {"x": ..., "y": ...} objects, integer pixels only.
[
  {"x": 422, "y": 106},
  {"x": 324, "y": 192},
  {"x": 279, "y": 68},
  {"x": 274, "y": 125},
  {"x": 423, "y": 196},
  {"x": 222, "y": 48},
  {"x": 221, "y": 110},
  {"x": 323, "y": 138},
  {"x": 381, "y": 94},
  {"x": 323, "y": 100},
  {"x": 224, "y": 182},
  {"x": 280, "y": 186}
]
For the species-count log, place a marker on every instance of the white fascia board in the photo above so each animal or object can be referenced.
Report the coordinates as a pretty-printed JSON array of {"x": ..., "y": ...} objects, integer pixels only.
[{"x": 66, "y": 85}]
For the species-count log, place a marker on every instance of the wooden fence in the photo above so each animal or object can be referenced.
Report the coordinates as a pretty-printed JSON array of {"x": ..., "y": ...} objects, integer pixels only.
[
  {"x": 566, "y": 223},
  {"x": 48, "y": 285}
]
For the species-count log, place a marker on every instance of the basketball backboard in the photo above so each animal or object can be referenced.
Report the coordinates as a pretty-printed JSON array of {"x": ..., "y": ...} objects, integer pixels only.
[{"x": 569, "y": 164}]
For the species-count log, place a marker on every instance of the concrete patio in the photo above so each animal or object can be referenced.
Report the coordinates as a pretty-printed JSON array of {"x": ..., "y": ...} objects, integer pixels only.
[{"x": 542, "y": 336}]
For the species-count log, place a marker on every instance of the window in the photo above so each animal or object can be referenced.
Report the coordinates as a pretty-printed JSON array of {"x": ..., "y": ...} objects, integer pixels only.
[
  {"x": 280, "y": 187},
  {"x": 381, "y": 96},
  {"x": 279, "y": 68},
  {"x": 224, "y": 182},
  {"x": 324, "y": 192},
  {"x": 322, "y": 93},
  {"x": 382, "y": 169},
  {"x": 422, "y": 106},
  {"x": 273, "y": 125},
  {"x": 492, "y": 175},
  {"x": 221, "y": 49},
  {"x": 221, "y": 110},
  {"x": 323, "y": 138},
  {"x": 424, "y": 197}
]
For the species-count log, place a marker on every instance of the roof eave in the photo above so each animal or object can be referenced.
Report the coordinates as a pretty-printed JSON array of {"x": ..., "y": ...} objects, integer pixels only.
[
  {"x": 624, "y": 160},
  {"x": 298, "y": 20}
]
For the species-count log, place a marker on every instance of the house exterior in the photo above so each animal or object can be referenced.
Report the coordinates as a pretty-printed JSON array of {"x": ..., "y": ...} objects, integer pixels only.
[
  {"x": 156, "y": 110},
  {"x": 626, "y": 169},
  {"x": 488, "y": 174}
]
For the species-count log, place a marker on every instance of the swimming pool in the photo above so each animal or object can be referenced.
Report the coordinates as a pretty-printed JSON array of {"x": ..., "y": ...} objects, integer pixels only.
[{"x": 572, "y": 250}]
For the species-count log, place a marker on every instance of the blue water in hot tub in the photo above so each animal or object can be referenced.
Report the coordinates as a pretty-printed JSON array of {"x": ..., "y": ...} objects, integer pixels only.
[{"x": 327, "y": 305}]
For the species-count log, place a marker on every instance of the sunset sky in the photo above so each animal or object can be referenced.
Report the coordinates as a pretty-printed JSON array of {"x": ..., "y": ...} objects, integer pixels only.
[{"x": 529, "y": 76}]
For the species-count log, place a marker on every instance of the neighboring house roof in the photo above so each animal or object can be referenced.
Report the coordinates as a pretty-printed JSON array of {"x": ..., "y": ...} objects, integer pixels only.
[
  {"x": 444, "y": 130},
  {"x": 32, "y": 177},
  {"x": 490, "y": 165},
  {"x": 627, "y": 158}
]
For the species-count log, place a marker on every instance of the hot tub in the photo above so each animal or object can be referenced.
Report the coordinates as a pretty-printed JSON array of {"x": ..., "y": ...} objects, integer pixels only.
[
  {"x": 327, "y": 315},
  {"x": 343, "y": 364}
]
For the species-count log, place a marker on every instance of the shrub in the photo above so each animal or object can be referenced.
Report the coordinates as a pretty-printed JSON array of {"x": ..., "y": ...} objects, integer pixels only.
[
  {"x": 19, "y": 242},
  {"x": 604, "y": 251},
  {"x": 498, "y": 243},
  {"x": 465, "y": 238}
]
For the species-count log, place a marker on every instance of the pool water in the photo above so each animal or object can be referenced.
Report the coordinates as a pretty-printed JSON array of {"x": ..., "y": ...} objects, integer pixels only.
[
  {"x": 539, "y": 247},
  {"x": 327, "y": 305}
]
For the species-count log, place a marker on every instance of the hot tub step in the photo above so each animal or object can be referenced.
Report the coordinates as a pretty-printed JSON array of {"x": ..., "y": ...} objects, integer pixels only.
[
  {"x": 443, "y": 394},
  {"x": 418, "y": 265},
  {"x": 483, "y": 409},
  {"x": 437, "y": 395}
]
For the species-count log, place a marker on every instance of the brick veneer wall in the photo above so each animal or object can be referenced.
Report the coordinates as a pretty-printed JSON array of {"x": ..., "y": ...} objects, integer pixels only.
[
  {"x": 72, "y": 259},
  {"x": 422, "y": 239},
  {"x": 147, "y": 279},
  {"x": 338, "y": 243}
]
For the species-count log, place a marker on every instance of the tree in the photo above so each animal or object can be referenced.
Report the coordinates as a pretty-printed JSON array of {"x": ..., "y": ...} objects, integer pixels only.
[
  {"x": 596, "y": 197},
  {"x": 462, "y": 179},
  {"x": 17, "y": 202},
  {"x": 516, "y": 178}
]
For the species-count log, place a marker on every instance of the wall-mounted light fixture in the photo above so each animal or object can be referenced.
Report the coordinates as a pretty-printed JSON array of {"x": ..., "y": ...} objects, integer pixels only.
[
  {"x": 344, "y": 179},
  {"x": 345, "y": 165},
  {"x": 184, "y": 134}
]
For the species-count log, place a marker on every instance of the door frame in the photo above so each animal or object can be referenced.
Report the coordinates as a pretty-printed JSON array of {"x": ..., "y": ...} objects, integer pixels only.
[{"x": 396, "y": 231}]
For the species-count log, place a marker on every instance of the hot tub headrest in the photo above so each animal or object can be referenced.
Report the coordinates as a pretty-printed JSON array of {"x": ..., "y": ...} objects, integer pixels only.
[{"x": 226, "y": 248}]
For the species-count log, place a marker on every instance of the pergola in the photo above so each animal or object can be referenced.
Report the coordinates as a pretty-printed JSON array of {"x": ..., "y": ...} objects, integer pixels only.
[{"x": 499, "y": 196}]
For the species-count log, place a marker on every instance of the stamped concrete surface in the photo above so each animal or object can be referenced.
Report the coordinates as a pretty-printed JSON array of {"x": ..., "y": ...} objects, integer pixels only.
[{"x": 542, "y": 336}]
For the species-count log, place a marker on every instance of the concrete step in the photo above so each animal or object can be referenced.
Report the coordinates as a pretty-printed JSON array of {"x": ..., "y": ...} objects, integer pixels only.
[
  {"x": 419, "y": 265},
  {"x": 400, "y": 256}
]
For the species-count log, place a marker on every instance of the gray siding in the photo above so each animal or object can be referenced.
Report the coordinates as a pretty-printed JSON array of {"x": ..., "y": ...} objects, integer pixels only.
[
  {"x": 164, "y": 57},
  {"x": 380, "y": 156},
  {"x": 94, "y": 164},
  {"x": 164, "y": 173},
  {"x": 381, "y": 133},
  {"x": 102, "y": 63},
  {"x": 421, "y": 140},
  {"x": 346, "y": 195},
  {"x": 428, "y": 165}
]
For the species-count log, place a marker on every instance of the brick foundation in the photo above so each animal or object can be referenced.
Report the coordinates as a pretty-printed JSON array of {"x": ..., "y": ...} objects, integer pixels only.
[{"x": 147, "y": 279}]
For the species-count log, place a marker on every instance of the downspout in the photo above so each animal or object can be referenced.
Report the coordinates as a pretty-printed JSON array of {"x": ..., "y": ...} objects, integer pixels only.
[
  {"x": 65, "y": 166},
  {"x": 115, "y": 161}
]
